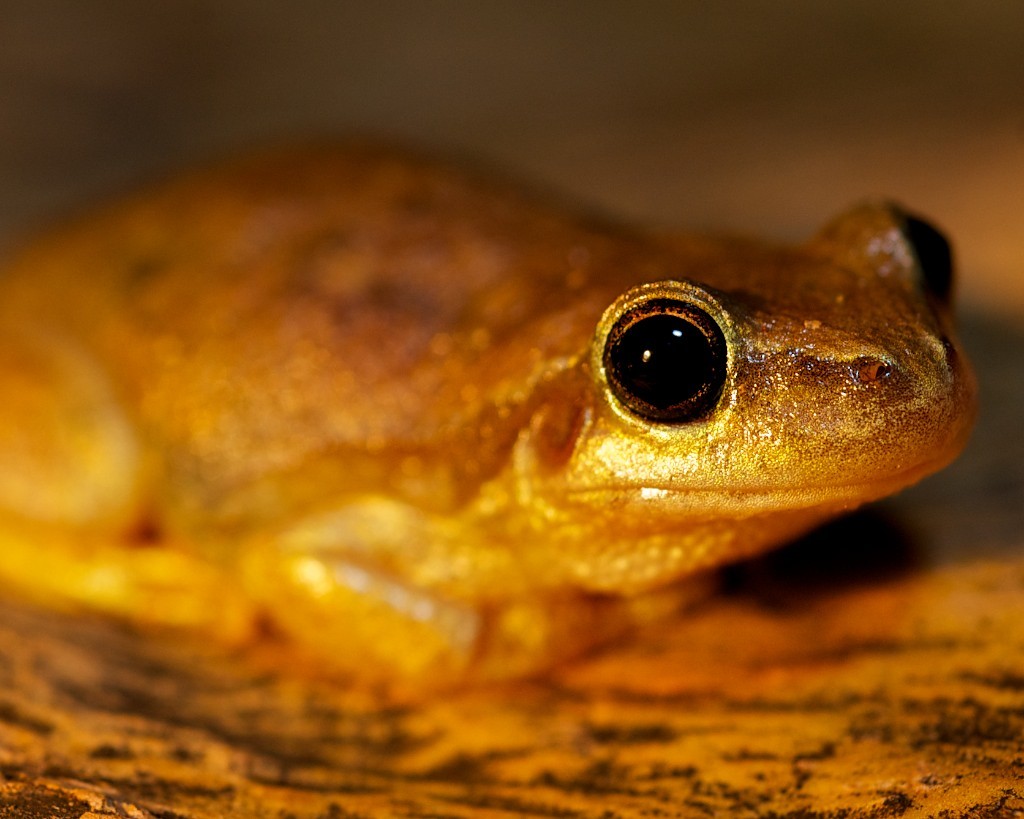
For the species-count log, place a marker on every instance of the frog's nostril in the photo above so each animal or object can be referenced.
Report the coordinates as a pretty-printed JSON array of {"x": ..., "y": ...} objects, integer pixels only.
[{"x": 870, "y": 370}]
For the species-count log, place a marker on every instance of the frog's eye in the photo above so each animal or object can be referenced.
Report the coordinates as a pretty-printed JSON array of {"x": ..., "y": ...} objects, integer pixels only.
[
  {"x": 933, "y": 256},
  {"x": 665, "y": 360}
]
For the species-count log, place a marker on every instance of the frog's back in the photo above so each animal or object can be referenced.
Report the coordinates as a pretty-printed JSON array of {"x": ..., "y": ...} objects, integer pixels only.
[
  {"x": 265, "y": 309},
  {"x": 337, "y": 313}
]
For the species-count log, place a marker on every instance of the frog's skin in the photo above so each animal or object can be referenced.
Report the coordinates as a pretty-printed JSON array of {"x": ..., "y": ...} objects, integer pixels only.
[{"x": 365, "y": 396}]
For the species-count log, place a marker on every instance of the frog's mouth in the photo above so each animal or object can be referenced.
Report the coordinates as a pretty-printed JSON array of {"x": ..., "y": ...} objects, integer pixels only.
[{"x": 710, "y": 502}]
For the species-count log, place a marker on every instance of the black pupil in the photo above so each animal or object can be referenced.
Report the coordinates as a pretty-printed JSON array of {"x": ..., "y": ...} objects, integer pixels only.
[{"x": 666, "y": 360}]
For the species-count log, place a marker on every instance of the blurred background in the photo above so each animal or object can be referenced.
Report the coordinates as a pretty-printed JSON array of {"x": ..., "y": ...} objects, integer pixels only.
[{"x": 757, "y": 117}]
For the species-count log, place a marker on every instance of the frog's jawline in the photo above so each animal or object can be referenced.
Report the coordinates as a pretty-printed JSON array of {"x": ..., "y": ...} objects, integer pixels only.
[{"x": 808, "y": 497}]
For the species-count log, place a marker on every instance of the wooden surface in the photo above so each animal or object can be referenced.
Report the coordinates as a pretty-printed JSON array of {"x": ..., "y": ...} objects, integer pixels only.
[{"x": 873, "y": 670}]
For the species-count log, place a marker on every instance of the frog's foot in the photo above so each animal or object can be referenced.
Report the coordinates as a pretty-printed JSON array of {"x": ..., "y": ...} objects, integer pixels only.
[
  {"x": 360, "y": 619},
  {"x": 364, "y": 621}
]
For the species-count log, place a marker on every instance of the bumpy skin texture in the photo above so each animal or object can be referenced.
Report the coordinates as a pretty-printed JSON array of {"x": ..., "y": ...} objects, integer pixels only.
[{"x": 364, "y": 395}]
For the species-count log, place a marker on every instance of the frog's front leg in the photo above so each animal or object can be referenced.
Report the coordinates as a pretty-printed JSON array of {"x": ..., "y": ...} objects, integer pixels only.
[{"x": 321, "y": 583}]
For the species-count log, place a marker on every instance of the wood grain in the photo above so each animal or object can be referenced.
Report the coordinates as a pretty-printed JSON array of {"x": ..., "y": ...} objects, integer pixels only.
[{"x": 872, "y": 670}]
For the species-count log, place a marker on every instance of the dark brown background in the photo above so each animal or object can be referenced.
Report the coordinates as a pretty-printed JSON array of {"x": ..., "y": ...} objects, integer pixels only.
[{"x": 756, "y": 116}]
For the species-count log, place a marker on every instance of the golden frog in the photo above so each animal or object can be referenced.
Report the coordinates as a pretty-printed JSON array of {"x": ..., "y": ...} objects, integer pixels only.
[{"x": 431, "y": 427}]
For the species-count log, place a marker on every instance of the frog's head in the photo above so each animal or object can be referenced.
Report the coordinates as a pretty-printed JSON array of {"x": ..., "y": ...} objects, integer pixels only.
[{"x": 724, "y": 409}]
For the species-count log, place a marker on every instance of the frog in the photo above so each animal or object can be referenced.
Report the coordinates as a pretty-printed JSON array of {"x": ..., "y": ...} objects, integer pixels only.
[{"x": 427, "y": 424}]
